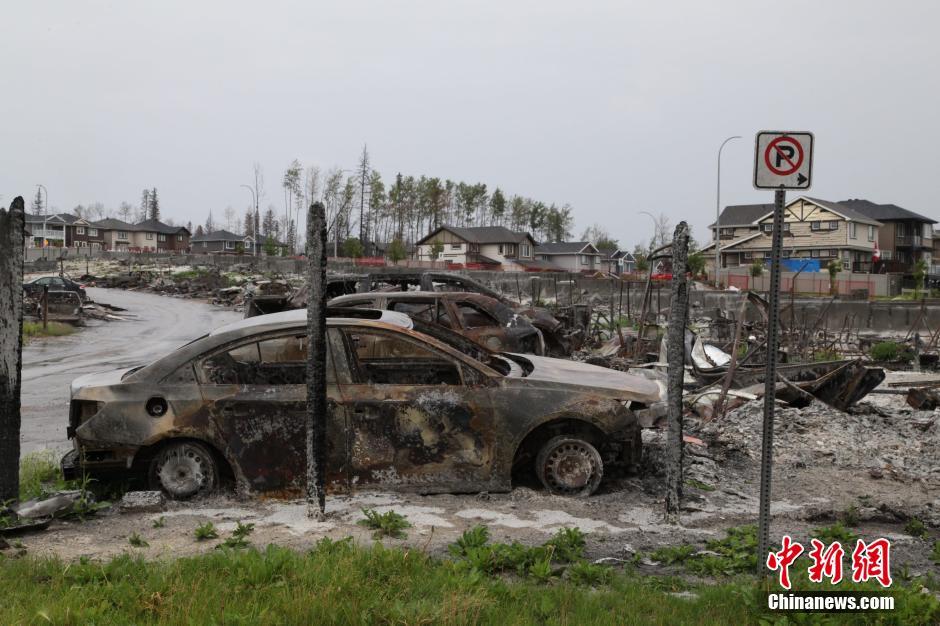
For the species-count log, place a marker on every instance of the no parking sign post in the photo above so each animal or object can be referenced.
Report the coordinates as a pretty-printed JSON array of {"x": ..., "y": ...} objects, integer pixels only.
[{"x": 782, "y": 160}]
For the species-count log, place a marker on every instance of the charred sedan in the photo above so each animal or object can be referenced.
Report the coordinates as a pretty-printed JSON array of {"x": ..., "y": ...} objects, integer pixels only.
[
  {"x": 408, "y": 412},
  {"x": 482, "y": 319}
]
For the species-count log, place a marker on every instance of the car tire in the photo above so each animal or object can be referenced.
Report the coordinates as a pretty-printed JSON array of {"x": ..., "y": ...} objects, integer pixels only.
[
  {"x": 569, "y": 466},
  {"x": 183, "y": 470}
]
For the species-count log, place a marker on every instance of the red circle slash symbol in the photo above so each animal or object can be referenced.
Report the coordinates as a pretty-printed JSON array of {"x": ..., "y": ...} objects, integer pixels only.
[{"x": 779, "y": 156}]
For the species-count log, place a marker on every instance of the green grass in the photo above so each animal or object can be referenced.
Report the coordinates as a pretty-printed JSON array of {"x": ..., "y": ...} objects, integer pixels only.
[
  {"x": 40, "y": 475},
  {"x": 916, "y": 528},
  {"x": 836, "y": 532},
  {"x": 53, "y": 329},
  {"x": 206, "y": 531},
  {"x": 338, "y": 582}
]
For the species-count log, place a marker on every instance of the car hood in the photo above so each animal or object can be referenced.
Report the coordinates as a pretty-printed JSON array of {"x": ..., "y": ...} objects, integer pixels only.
[
  {"x": 100, "y": 379},
  {"x": 602, "y": 380}
]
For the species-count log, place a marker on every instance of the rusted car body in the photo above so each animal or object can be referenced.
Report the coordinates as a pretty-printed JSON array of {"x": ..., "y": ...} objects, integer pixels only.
[
  {"x": 485, "y": 320},
  {"x": 408, "y": 412}
]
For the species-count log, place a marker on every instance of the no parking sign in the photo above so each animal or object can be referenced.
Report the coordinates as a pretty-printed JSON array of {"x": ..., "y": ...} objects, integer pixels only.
[{"x": 783, "y": 160}]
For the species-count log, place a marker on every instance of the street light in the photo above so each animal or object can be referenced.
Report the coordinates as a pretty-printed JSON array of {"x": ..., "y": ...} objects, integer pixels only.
[
  {"x": 718, "y": 210},
  {"x": 254, "y": 200}
]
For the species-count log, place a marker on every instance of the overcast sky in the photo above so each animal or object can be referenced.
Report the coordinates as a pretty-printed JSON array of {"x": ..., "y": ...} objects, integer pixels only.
[{"x": 613, "y": 107}]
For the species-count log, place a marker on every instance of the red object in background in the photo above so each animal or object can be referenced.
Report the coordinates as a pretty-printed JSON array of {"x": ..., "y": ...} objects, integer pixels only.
[
  {"x": 662, "y": 277},
  {"x": 876, "y": 254}
]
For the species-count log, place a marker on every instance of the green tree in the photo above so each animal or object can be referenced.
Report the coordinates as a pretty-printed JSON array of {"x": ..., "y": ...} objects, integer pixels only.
[
  {"x": 37, "y": 202},
  {"x": 397, "y": 251},
  {"x": 154, "y": 212},
  {"x": 834, "y": 266},
  {"x": 352, "y": 248},
  {"x": 497, "y": 206},
  {"x": 437, "y": 248},
  {"x": 757, "y": 269},
  {"x": 696, "y": 263},
  {"x": 270, "y": 247}
]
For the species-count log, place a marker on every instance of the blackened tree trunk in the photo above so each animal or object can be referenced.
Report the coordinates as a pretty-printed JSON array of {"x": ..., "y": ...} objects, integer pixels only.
[
  {"x": 12, "y": 223},
  {"x": 675, "y": 356},
  {"x": 317, "y": 406}
]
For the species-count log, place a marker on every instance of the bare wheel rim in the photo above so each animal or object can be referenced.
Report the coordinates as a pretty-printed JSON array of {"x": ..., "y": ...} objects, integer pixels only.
[
  {"x": 184, "y": 470},
  {"x": 572, "y": 467}
]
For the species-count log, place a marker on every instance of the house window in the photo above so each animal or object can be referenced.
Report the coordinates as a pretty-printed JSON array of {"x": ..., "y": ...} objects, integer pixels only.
[
  {"x": 886, "y": 255},
  {"x": 456, "y": 246},
  {"x": 584, "y": 259},
  {"x": 852, "y": 229},
  {"x": 179, "y": 238},
  {"x": 229, "y": 245},
  {"x": 726, "y": 233},
  {"x": 161, "y": 237},
  {"x": 205, "y": 244},
  {"x": 92, "y": 232},
  {"x": 747, "y": 256},
  {"x": 79, "y": 230},
  {"x": 769, "y": 227},
  {"x": 122, "y": 235},
  {"x": 928, "y": 231},
  {"x": 149, "y": 235},
  {"x": 828, "y": 225},
  {"x": 500, "y": 248},
  {"x": 524, "y": 250},
  {"x": 871, "y": 233}
]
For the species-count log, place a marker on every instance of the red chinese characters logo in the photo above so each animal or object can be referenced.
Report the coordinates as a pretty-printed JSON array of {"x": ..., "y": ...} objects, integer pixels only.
[
  {"x": 870, "y": 560},
  {"x": 827, "y": 563},
  {"x": 782, "y": 560}
]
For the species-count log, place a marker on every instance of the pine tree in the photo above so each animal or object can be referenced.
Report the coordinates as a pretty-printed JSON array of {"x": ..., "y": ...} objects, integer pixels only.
[
  {"x": 143, "y": 213},
  {"x": 154, "y": 205},
  {"x": 37, "y": 202},
  {"x": 210, "y": 224}
]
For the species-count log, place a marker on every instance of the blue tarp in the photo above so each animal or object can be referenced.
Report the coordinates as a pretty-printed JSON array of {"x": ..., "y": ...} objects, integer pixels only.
[{"x": 794, "y": 265}]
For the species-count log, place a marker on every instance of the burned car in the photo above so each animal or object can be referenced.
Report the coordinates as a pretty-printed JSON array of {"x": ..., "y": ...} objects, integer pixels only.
[
  {"x": 485, "y": 320},
  {"x": 408, "y": 412}
]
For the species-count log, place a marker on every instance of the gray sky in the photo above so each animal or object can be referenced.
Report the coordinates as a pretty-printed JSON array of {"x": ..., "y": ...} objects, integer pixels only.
[{"x": 614, "y": 107}]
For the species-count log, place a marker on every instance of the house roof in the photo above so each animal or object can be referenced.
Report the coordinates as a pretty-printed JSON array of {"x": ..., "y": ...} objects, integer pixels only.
[
  {"x": 221, "y": 235},
  {"x": 566, "y": 247},
  {"x": 884, "y": 212},
  {"x": 840, "y": 209},
  {"x": 156, "y": 226},
  {"x": 482, "y": 234},
  {"x": 742, "y": 214},
  {"x": 113, "y": 223}
]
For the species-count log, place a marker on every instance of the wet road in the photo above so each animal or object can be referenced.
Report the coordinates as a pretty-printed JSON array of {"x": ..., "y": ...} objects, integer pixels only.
[{"x": 156, "y": 325}]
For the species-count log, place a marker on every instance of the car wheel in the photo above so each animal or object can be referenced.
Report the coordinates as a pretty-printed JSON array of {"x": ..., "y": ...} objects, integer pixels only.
[
  {"x": 183, "y": 470},
  {"x": 569, "y": 466}
]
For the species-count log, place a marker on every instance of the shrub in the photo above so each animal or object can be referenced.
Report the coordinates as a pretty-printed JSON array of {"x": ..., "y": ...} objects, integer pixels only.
[
  {"x": 206, "y": 531},
  {"x": 388, "y": 524}
]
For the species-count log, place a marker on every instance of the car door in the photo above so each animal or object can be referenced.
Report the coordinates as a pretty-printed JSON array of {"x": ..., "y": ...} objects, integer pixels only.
[
  {"x": 256, "y": 395},
  {"x": 414, "y": 422},
  {"x": 432, "y": 310}
]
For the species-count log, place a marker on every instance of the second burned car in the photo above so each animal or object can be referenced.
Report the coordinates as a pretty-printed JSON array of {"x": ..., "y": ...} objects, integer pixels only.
[
  {"x": 482, "y": 319},
  {"x": 408, "y": 412}
]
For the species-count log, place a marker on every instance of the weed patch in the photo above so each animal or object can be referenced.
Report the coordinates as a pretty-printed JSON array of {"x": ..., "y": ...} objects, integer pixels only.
[
  {"x": 836, "y": 532},
  {"x": 206, "y": 531},
  {"x": 916, "y": 528},
  {"x": 388, "y": 524},
  {"x": 53, "y": 329}
]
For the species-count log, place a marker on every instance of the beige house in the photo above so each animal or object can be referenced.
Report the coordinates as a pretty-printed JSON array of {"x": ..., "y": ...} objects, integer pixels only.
[
  {"x": 486, "y": 245},
  {"x": 813, "y": 229}
]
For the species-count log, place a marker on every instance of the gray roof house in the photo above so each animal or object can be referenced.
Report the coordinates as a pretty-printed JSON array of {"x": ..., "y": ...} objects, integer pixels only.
[{"x": 571, "y": 256}]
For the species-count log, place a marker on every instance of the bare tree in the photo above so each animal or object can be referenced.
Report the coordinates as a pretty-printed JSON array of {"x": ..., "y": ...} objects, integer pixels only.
[{"x": 230, "y": 219}]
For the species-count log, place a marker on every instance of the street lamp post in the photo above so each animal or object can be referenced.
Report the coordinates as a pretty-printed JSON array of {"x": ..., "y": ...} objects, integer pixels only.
[
  {"x": 254, "y": 235},
  {"x": 653, "y": 240},
  {"x": 718, "y": 211}
]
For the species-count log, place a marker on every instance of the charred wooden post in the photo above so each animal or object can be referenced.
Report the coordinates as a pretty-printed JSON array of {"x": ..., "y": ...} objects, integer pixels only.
[
  {"x": 45, "y": 307},
  {"x": 675, "y": 355},
  {"x": 317, "y": 406},
  {"x": 12, "y": 225}
]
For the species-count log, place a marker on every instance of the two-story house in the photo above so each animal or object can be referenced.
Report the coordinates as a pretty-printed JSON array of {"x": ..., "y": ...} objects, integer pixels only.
[
  {"x": 47, "y": 230},
  {"x": 904, "y": 238},
  {"x": 571, "y": 256},
  {"x": 486, "y": 245},
  {"x": 617, "y": 261},
  {"x": 155, "y": 236},
  {"x": 815, "y": 232}
]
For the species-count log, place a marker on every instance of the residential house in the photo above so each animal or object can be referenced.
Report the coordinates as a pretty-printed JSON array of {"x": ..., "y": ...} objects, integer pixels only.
[
  {"x": 155, "y": 236},
  {"x": 494, "y": 246},
  {"x": 617, "y": 261},
  {"x": 815, "y": 232},
  {"x": 80, "y": 233},
  {"x": 225, "y": 242},
  {"x": 571, "y": 256},
  {"x": 118, "y": 235},
  {"x": 47, "y": 230},
  {"x": 904, "y": 238}
]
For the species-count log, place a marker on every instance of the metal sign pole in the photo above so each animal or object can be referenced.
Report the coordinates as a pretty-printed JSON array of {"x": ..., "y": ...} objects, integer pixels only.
[{"x": 770, "y": 380}]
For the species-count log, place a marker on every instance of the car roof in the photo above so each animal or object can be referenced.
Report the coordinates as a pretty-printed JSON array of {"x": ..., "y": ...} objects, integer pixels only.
[{"x": 273, "y": 321}]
